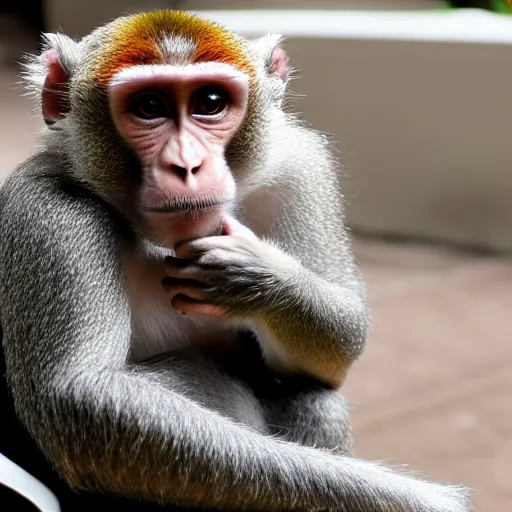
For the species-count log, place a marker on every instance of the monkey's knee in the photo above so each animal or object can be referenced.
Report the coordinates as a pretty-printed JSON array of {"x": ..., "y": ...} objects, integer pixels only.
[
  {"x": 317, "y": 418},
  {"x": 198, "y": 378}
]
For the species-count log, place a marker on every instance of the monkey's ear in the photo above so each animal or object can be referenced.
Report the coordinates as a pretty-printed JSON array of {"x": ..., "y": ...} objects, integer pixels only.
[
  {"x": 54, "y": 97},
  {"x": 278, "y": 64},
  {"x": 48, "y": 75},
  {"x": 275, "y": 60}
]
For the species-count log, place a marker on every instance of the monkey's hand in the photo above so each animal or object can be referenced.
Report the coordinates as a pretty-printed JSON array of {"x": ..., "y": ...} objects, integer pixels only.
[
  {"x": 306, "y": 323},
  {"x": 234, "y": 275}
]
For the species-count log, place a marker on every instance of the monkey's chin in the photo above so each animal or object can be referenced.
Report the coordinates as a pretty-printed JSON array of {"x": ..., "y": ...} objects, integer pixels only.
[{"x": 170, "y": 229}]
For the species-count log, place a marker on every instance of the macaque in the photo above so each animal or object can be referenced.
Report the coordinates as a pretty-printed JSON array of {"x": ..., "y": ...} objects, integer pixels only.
[{"x": 179, "y": 300}]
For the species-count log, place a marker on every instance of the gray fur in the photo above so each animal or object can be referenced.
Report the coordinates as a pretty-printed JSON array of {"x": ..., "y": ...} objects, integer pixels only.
[{"x": 181, "y": 429}]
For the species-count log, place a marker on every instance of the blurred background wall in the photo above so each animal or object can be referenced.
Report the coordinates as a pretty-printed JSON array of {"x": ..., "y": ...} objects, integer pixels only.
[
  {"x": 64, "y": 14},
  {"x": 420, "y": 119}
]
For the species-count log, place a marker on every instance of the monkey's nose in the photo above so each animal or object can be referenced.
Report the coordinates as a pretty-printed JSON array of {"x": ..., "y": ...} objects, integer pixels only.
[
  {"x": 182, "y": 172},
  {"x": 183, "y": 156}
]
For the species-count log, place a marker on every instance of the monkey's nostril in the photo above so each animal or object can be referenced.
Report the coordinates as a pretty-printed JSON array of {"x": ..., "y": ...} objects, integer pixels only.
[
  {"x": 180, "y": 171},
  {"x": 183, "y": 171}
]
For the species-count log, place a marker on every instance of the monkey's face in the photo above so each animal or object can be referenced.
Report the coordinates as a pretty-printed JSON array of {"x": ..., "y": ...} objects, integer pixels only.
[
  {"x": 162, "y": 112},
  {"x": 178, "y": 121}
]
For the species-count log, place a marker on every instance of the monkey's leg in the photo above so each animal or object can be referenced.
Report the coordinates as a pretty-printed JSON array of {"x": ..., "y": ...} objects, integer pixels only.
[
  {"x": 311, "y": 416},
  {"x": 198, "y": 377},
  {"x": 296, "y": 409}
]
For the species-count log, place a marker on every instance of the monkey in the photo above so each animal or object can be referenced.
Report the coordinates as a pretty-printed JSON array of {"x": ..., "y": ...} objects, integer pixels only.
[{"x": 179, "y": 300}]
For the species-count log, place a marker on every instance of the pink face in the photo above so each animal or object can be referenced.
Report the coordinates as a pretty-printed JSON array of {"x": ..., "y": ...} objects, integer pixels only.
[{"x": 178, "y": 121}]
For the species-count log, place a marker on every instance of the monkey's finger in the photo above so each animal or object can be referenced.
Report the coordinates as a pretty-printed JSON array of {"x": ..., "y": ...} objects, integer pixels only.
[
  {"x": 176, "y": 262},
  {"x": 190, "y": 273},
  {"x": 190, "y": 288},
  {"x": 189, "y": 306},
  {"x": 176, "y": 267},
  {"x": 196, "y": 248},
  {"x": 234, "y": 228},
  {"x": 187, "y": 251},
  {"x": 184, "y": 266}
]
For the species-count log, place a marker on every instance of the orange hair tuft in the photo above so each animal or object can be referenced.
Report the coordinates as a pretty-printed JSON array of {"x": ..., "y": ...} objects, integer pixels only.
[{"x": 135, "y": 38}]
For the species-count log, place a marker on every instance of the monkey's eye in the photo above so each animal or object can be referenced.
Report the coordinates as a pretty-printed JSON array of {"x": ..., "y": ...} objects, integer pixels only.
[
  {"x": 209, "y": 103},
  {"x": 149, "y": 105}
]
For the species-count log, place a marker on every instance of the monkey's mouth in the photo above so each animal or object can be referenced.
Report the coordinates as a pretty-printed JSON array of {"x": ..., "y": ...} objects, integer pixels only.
[
  {"x": 171, "y": 221},
  {"x": 186, "y": 206}
]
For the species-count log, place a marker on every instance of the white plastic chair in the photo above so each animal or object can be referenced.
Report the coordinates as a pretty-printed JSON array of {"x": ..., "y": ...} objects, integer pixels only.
[{"x": 17, "y": 479}]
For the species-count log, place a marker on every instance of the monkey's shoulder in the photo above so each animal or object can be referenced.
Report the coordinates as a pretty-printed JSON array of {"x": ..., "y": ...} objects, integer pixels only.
[
  {"x": 51, "y": 227},
  {"x": 40, "y": 199}
]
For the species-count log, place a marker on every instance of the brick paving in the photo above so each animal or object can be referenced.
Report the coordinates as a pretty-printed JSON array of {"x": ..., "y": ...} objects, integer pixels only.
[{"x": 434, "y": 387}]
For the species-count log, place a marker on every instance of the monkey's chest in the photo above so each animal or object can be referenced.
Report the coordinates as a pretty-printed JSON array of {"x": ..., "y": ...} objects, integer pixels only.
[{"x": 156, "y": 326}]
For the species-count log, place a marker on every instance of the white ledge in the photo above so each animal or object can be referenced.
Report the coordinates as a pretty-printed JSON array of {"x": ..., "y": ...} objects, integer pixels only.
[{"x": 464, "y": 26}]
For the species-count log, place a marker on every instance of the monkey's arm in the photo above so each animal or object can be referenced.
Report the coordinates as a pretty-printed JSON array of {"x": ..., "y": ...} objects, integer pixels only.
[
  {"x": 300, "y": 287},
  {"x": 105, "y": 424},
  {"x": 318, "y": 315},
  {"x": 306, "y": 322}
]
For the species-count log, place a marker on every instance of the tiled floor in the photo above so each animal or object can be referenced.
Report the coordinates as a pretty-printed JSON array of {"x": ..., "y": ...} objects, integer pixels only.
[{"x": 434, "y": 388}]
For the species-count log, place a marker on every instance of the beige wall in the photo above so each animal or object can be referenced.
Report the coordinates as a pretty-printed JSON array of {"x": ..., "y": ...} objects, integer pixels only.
[
  {"x": 424, "y": 131},
  {"x": 310, "y": 4},
  {"x": 423, "y": 126},
  {"x": 79, "y": 17}
]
